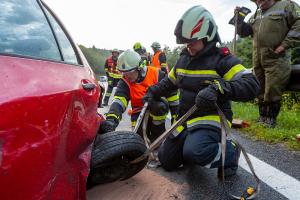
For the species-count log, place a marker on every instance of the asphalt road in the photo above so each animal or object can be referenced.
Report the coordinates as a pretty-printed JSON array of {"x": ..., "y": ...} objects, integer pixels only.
[{"x": 200, "y": 183}]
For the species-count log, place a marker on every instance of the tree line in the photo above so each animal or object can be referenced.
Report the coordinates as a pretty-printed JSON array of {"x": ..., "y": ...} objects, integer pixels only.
[{"x": 96, "y": 57}]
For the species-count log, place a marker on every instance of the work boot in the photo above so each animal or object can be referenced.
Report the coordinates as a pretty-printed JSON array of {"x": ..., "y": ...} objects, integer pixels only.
[
  {"x": 270, "y": 122},
  {"x": 230, "y": 171},
  {"x": 262, "y": 108},
  {"x": 273, "y": 112}
]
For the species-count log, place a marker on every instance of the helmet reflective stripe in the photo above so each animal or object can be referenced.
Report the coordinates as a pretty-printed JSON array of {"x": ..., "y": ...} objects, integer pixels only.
[
  {"x": 128, "y": 61},
  {"x": 195, "y": 24}
]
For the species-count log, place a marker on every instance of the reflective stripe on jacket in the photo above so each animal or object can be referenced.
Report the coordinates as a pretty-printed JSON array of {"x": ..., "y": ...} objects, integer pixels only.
[
  {"x": 190, "y": 75},
  {"x": 111, "y": 68}
]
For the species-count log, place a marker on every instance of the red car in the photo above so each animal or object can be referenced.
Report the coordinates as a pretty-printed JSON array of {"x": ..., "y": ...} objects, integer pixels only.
[
  {"x": 49, "y": 148},
  {"x": 48, "y": 106}
]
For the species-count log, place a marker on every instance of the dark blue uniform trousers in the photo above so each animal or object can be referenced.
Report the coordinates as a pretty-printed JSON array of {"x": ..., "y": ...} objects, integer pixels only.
[{"x": 197, "y": 147}]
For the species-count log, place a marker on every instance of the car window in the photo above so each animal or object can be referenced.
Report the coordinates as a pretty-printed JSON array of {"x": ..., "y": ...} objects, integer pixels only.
[
  {"x": 25, "y": 30},
  {"x": 67, "y": 50}
]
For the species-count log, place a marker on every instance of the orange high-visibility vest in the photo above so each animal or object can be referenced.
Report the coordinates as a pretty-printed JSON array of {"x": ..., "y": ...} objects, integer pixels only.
[
  {"x": 138, "y": 90},
  {"x": 156, "y": 62},
  {"x": 155, "y": 59}
]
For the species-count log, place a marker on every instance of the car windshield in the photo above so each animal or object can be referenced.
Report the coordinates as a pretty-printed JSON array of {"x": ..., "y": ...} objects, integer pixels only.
[{"x": 25, "y": 30}]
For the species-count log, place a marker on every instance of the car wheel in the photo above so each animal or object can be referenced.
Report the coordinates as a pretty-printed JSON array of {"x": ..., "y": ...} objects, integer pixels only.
[{"x": 111, "y": 157}]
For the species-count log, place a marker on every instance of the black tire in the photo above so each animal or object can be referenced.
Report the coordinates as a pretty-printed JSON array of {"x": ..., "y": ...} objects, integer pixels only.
[{"x": 111, "y": 156}]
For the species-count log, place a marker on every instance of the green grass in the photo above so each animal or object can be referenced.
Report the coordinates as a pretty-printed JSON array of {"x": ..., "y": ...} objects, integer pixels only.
[{"x": 288, "y": 125}]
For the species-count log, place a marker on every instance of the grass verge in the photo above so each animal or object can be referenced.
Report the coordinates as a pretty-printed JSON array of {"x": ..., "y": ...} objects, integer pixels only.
[{"x": 288, "y": 125}]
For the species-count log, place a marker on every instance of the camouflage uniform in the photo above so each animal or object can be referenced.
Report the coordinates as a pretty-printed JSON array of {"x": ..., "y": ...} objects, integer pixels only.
[{"x": 278, "y": 25}]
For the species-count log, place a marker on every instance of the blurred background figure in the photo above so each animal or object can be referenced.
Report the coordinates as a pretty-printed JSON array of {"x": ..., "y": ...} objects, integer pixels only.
[
  {"x": 141, "y": 50},
  {"x": 159, "y": 58},
  {"x": 112, "y": 73}
]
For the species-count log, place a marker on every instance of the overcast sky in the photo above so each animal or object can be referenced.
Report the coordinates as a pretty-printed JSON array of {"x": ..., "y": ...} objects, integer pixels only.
[{"x": 120, "y": 23}]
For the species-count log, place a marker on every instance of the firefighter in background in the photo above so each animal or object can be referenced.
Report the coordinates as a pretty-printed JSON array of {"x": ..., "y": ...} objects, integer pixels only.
[
  {"x": 159, "y": 58},
  {"x": 205, "y": 75},
  {"x": 112, "y": 73},
  {"x": 137, "y": 77},
  {"x": 275, "y": 28},
  {"x": 137, "y": 47}
]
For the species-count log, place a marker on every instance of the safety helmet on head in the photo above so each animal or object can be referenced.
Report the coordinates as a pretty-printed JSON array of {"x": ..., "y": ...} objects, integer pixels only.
[
  {"x": 115, "y": 51},
  {"x": 137, "y": 46},
  {"x": 155, "y": 45},
  {"x": 129, "y": 60},
  {"x": 195, "y": 24}
]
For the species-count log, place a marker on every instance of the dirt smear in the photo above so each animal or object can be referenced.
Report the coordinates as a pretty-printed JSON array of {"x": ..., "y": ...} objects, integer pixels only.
[{"x": 146, "y": 185}]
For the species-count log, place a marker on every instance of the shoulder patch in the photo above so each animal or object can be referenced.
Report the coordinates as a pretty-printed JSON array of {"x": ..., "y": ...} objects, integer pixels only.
[{"x": 224, "y": 51}]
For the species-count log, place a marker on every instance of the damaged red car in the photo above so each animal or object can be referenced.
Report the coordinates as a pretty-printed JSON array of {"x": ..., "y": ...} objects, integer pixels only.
[
  {"x": 49, "y": 146},
  {"x": 48, "y": 105}
]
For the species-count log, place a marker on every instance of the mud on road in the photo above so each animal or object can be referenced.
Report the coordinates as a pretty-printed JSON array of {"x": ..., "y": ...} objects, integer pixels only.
[{"x": 146, "y": 185}]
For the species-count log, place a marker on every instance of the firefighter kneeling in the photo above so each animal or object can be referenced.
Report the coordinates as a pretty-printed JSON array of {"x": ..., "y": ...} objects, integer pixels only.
[
  {"x": 132, "y": 87},
  {"x": 205, "y": 75}
]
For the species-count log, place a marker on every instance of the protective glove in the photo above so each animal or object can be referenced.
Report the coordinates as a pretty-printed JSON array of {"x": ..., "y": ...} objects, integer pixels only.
[
  {"x": 207, "y": 97},
  {"x": 108, "y": 125},
  {"x": 159, "y": 107},
  {"x": 149, "y": 96}
]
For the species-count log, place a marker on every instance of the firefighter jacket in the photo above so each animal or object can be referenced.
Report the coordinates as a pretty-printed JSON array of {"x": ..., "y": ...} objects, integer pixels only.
[
  {"x": 159, "y": 60},
  {"x": 279, "y": 25},
  {"x": 134, "y": 92},
  {"x": 111, "y": 68},
  {"x": 192, "y": 74}
]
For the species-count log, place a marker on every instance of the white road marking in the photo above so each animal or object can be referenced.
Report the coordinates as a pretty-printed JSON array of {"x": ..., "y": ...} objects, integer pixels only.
[{"x": 278, "y": 180}]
